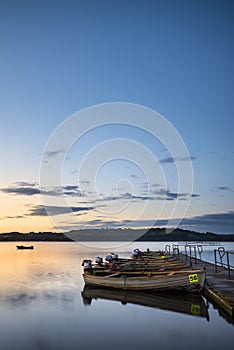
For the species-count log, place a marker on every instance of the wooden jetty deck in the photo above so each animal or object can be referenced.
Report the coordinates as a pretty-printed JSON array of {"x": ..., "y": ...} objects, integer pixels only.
[{"x": 219, "y": 286}]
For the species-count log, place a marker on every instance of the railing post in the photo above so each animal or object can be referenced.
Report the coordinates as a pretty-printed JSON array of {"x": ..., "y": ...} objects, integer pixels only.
[
  {"x": 195, "y": 254},
  {"x": 168, "y": 249},
  {"x": 222, "y": 252},
  {"x": 185, "y": 252},
  {"x": 215, "y": 259},
  {"x": 228, "y": 265},
  {"x": 200, "y": 250}
]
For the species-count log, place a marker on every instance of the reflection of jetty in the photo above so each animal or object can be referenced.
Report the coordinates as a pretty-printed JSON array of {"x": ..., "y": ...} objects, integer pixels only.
[
  {"x": 191, "y": 304},
  {"x": 20, "y": 247}
]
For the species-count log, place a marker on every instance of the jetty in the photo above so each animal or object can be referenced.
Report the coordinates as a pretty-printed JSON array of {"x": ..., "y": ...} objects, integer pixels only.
[{"x": 219, "y": 285}]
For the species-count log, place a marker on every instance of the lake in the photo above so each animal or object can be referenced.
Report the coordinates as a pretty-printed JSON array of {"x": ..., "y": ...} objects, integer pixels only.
[{"x": 43, "y": 305}]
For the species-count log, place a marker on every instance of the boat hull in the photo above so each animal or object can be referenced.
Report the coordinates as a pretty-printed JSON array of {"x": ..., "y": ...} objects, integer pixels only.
[
  {"x": 190, "y": 281},
  {"x": 20, "y": 247}
]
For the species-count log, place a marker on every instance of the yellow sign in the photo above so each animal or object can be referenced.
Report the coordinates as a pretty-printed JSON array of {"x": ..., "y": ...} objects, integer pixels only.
[
  {"x": 162, "y": 256},
  {"x": 195, "y": 309},
  {"x": 193, "y": 278}
]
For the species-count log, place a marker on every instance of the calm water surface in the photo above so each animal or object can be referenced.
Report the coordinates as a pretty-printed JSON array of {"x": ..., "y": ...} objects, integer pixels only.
[{"x": 42, "y": 306}]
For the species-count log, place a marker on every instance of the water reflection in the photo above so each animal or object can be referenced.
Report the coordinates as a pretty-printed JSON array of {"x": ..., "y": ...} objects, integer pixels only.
[
  {"x": 24, "y": 299},
  {"x": 41, "y": 307},
  {"x": 190, "y": 304}
]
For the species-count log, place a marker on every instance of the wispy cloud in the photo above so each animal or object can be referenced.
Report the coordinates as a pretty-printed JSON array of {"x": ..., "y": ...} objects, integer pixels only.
[
  {"x": 40, "y": 210},
  {"x": 23, "y": 190},
  {"x": 159, "y": 194},
  {"x": 55, "y": 153},
  {"x": 31, "y": 189},
  {"x": 176, "y": 159},
  {"x": 168, "y": 195},
  {"x": 223, "y": 188},
  {"x": 26, "y": 184},
  {"x": 12, "y": 217},
  {"x": 85, "y": 182}
]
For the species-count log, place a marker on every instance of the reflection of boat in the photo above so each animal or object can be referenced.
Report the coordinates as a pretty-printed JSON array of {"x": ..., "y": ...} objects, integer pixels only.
[
  {"x": 191, "y": 304},
  {"x": 24, "y": 247},
  {"x": 190, "y": 280}
]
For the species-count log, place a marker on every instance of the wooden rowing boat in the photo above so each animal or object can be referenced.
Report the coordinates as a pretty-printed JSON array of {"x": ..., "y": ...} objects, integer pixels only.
[
  {"x": 190, "y": 280},
  {"x": 186, "y": 303},
  {"x": 139, "y": 265}
]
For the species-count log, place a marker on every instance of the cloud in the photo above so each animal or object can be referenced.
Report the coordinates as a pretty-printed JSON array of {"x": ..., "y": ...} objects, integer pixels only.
[
  {"x": 165, "y": 194},
  {"x": 31, "y": 189},
  {"x": 12, "y": 217},
  {"x": 71, "y": 187},
  {"x": 124, "y": 196},
  {"x": 175, "y": 159},
  {"x": 51, "y": 154},
  {"x": 40, "y": 210},
  {"x": 215, "y": 222},
  {"x": 155, "y": 195},
  {"x": 223, "y": 188},
  {"x": 195, "y": 195},
  {"x": 23, "y": 190},
  {"x": 167, "y": 160},
  {"x": 154, "y": 185},
  {"x": 26, "y": 184}
]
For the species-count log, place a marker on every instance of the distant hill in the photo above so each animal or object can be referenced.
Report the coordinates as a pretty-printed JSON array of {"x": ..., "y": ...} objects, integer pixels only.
[
  {"x": 157, "y": 234},
  {"x": 33, "y": 237},
  {"x": 129, "y": 235}
]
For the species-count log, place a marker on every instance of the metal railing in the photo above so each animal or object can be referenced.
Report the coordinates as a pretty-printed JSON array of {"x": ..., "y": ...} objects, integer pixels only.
[
  {"x": 192, "y": 252},
  {"x": 219, "y": 257},
  {"x": 175, "y": 250},
  {"x": 168, "y": 249}
]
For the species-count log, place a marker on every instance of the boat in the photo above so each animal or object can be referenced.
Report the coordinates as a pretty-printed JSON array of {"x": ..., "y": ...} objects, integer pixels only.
[
  {"x": 24, "y": 247},
  {"x": 185, "y": 303},
  {"x": 147, "y": 264},
  {"x": 187, "y": 280}
]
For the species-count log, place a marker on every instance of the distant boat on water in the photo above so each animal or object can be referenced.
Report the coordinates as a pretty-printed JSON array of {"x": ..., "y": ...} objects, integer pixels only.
[{"x": 24, "y": 247}]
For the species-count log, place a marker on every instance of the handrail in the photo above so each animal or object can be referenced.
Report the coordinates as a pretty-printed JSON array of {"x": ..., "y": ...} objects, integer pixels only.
[
  {"x": 221, "y": 254},
  {"x": 193, "y": 249},
  {"x": 175, "y": 249}
]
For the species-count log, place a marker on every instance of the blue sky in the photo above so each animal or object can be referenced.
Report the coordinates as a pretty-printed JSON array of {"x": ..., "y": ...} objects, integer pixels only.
[{"x": 59, "y": 57}]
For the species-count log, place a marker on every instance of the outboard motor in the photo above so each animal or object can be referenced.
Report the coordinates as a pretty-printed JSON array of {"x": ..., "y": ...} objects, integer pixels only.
[
  {"x": 99, "y": 260},
  {"x": 87, "y": 265},
  {"x": 136, "y": 253},
  {"x": 114, "y": 256},
  {"x": 109, "y": 258}
]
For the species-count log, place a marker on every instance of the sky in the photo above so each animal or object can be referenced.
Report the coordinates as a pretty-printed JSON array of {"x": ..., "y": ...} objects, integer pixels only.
[{"x": 85, "y": 87}]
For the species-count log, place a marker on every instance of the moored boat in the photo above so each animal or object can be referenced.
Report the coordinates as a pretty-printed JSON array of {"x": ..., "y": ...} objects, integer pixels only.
[
  {"x": 190, "y": 280},
  {"x": 24, "y": 247}
]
